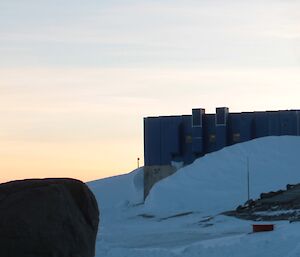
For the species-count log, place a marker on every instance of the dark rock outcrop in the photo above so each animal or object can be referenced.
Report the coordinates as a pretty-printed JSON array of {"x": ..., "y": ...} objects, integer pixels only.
[
  {"x": 47, "y": 218},
  {"x": 278, "y": 205}
]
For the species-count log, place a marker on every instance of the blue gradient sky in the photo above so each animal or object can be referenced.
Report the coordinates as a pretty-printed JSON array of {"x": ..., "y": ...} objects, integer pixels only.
[{"x": 76, "y": 78}]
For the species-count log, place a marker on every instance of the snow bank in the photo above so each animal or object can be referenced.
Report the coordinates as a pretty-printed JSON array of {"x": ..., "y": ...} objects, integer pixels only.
[
  {"x": 218, "y": 181},
  {"x": 212, "y": 184},
  {"x": 120, "y": 190}
]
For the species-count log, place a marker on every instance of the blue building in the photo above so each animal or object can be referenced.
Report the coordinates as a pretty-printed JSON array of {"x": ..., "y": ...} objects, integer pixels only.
[
  {"x": 184, "y": 138},
  {"x": 173, "y": 141}
]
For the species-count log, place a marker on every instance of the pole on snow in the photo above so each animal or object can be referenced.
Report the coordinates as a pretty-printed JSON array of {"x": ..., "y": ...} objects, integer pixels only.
[{"x": 248, "y": 179}]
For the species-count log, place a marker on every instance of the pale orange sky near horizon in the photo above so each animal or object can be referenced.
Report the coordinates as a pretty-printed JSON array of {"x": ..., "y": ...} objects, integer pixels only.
[{"x": 74, "y": 88}]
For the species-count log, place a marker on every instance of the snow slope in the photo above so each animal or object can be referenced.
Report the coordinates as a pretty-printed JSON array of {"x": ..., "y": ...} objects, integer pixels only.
[
  {"x": 212, "y": 184},
  {"x": 119, "y": 190},
  {"x": 218, "y": 181}
]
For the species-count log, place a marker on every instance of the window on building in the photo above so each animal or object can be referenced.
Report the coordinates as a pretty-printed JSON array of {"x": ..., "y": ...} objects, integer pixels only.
[
  {"x": 196, "y": 118},
  {"x": 188, "y": 139},
  {"x": 212, "y": 138},
  {"x": 236, "y": 137},
  {"x": 221, "y": 116}
]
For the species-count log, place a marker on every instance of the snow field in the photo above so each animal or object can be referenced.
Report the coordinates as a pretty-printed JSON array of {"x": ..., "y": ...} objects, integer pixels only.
[{"x": 212, "y": 184}]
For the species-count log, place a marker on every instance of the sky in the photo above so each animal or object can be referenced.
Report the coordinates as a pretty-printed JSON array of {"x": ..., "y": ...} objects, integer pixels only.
[{"x": 77, "y": 77}]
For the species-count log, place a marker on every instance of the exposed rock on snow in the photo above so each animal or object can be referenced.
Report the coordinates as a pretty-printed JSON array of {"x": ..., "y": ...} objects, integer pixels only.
[
  {"x": 278, "y": 205},
  {"x": 50, "y": 217}
]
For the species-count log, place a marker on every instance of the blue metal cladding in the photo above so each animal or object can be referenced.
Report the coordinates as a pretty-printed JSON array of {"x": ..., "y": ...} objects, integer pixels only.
[
  {"x": 187, "y": 137},
  {"x": 274, "y": 123},
  {"x": 221, "y": 116},
  {"x": 197, "y": 140},
  {"x": 246, "y": 127},
  {"x": 297, "y": 114},
  {"x": 197, "y": 117},
  {"x": 209, "y": 132},
  {"x": 288, "y": 123},
  {"x": 170, "y": 138},
  {"x": 187, "y": 140},
  {"x": 152, "y": 141},
  {"x": 221, "y": 120},
  {"x": 197, "y": 131},
  {"x": 261, "y": 125},
  {"x": 234, "y": 128}
]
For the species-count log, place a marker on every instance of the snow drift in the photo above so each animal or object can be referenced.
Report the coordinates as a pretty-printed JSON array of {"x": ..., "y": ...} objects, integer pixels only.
[
  {"x": 120, "y": 190},
  {"x": 212, "y": 184},
  {"x": 218, "y": 181}
]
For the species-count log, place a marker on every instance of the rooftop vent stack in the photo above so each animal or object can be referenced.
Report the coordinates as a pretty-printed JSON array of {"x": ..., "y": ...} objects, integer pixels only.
[
  {"x": 197, "y": 130},
  {"x": 221, "y": 127}
]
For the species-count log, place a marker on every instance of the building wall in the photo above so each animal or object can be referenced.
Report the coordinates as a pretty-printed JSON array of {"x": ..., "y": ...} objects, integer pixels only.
[
  {"x": 182, "y": 139},
  {"x": 185, "y": 138},
  {"x": 155, "y": 173}
]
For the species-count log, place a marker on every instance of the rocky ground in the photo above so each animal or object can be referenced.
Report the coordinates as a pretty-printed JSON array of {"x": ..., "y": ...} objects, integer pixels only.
[{"x": 278, "y": 205}]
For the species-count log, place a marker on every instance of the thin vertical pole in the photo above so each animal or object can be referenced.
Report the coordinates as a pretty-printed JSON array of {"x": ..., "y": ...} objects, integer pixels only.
[
  {"x": 248, "y": 178},
  {"x": 297, "y": 113},
  {"x": 138, "y": 162}
]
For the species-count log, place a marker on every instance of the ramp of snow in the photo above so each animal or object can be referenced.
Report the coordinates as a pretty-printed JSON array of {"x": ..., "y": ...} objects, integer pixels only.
[{"x": 218, "y": 181}]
